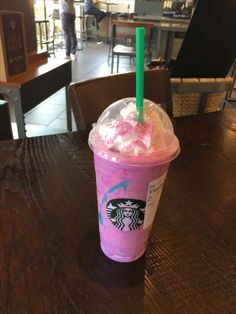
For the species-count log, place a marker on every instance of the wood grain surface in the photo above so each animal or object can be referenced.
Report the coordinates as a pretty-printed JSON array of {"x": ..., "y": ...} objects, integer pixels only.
[{"x": 50, "y": 259}]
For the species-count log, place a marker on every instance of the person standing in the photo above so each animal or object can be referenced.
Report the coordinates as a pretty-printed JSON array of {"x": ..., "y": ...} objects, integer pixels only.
[
  {"x": 89, "y": 8},
  {"x": 68, "y": 27}
]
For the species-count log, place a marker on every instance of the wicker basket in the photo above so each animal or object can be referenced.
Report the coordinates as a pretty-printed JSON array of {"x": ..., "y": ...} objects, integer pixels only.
[{"x": 194, "y": 96}]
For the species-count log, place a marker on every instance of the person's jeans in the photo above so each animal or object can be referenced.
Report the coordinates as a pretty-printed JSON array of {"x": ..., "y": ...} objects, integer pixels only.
[
  {"x": 68, "y": 27},
  {"x": 99, "y": 15}
]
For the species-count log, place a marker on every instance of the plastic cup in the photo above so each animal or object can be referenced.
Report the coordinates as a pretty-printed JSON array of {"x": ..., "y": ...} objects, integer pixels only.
[{"x": 131, "y": 164}]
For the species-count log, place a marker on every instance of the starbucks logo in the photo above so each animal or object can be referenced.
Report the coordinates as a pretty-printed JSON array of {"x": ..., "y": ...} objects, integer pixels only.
[{"x": 126, "y": 214}]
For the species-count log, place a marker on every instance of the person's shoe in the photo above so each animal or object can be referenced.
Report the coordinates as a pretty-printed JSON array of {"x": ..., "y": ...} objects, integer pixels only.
[
  {"x": 95, "y": 25},
  {"x": 67, "y": 58},
  {"x": 73, "y": 57}
]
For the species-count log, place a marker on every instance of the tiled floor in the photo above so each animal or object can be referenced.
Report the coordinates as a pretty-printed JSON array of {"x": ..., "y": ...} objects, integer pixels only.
[{"x": 49, "y": 117}]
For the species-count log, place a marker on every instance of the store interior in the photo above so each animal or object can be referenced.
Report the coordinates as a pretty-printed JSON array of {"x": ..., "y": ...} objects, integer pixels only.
[{"x": 44, "y": 33}]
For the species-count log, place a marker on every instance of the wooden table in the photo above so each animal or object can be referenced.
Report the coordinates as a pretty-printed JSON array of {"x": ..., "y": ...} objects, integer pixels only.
[
  {"x": 29, "y": 89},
  {"x": 50, "y": 258},
  {"x": 160, "y": 18}
]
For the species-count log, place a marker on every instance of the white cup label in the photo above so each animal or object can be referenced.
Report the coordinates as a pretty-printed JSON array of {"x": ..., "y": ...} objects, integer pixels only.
[{"x": 152, "y": 201}]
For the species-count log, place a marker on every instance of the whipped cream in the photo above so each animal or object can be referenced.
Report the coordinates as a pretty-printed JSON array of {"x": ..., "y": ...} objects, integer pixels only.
[
  {"x": 129, "y": 137},
  {"x": 118, "y": 134}
]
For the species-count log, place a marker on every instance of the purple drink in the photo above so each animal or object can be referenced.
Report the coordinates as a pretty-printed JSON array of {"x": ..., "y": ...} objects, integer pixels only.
[{"x": 130, "y": 168}]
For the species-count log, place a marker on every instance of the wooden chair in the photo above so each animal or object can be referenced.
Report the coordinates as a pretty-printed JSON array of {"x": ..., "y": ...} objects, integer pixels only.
[
  {"x": 123, "y": 40},
  {"x": 89, "y": 98},
  {"x": 89, "y": 30},
  {"x": 46, "y": 37}
]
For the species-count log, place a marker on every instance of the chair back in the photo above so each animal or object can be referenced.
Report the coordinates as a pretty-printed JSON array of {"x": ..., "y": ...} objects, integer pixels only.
[
  {"x": 89, "y": 98},
  {"x": 123, "y": 39},
  {"x": 126, "y": 30}
]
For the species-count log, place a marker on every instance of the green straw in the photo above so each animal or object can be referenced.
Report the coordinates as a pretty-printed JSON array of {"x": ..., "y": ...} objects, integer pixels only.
[{"x": 139, "y": 72}]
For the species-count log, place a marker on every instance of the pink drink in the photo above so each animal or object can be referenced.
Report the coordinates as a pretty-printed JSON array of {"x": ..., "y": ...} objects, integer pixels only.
[{"x": 129, "y": 175}]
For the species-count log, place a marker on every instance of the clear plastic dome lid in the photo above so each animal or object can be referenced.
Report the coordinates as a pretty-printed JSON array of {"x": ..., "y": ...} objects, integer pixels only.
[{"x": 119, "y": 137}]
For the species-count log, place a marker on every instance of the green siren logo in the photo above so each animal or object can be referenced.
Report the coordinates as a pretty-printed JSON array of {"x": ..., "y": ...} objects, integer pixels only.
[{"x": 126, "y": 214}]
